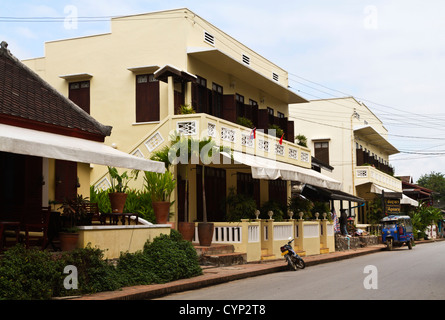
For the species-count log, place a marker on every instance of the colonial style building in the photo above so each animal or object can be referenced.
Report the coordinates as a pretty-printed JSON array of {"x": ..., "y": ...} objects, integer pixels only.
[
  {"x": 139, "y": 77},
  {"x": 47, "y": 144},
  {"x": 345, "y": 134}
]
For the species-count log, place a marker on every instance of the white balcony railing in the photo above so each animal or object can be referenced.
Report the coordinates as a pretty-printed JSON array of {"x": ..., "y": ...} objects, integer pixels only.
[{"x": 364, "y": 174}]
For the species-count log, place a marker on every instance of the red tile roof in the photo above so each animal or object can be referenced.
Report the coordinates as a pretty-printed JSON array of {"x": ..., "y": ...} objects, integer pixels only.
[{"x": 27, "y": 100}]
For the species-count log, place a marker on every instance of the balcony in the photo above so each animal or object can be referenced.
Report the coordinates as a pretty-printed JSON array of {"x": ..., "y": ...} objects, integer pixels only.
[
  {"x": 225, "y": 133},
  {"x": 363, "y": 158},
  {"x": 229, "y": 108},
  {"x": 369, "y": 174}
]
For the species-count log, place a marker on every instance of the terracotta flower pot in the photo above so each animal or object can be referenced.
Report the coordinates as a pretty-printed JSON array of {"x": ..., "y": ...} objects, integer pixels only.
[
  {"x": 205, "y": 233},
  {"x": 187, "y": 230},
  {"x": 68, "y": 240},
  {"x": 117, "y": 200},
  {"x": 162, "y": 210}
]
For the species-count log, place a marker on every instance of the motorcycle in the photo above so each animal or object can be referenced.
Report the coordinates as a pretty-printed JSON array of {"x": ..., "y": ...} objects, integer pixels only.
[{"x": 294, "y": 261}]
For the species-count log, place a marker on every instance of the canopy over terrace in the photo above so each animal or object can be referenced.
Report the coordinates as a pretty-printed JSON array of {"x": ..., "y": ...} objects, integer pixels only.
[
  {"x": 269, "y": 169},
  {"x": 49, "y": 145}
]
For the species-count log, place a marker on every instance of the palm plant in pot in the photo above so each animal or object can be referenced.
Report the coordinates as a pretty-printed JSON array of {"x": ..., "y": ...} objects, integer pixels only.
[
  {"x": 179, "y": 147},
  {"x": 208, "y": 151},
  {"x": 119, "y": 184},
  {"x": 74, "y": 213},
  {"x": 160, "y": 186}
]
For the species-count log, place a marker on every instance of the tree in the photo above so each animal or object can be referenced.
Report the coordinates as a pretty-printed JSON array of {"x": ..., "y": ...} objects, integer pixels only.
[
  {"x": 423, "y": 217},
  {"x": 434, "y": 181}
]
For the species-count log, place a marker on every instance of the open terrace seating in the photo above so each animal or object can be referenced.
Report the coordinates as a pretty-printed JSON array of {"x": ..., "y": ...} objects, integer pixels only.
[{"x": 40, "y": 228}]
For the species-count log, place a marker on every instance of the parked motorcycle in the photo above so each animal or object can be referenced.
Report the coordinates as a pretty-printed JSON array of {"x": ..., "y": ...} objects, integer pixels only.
[{"x": 294, "y": 261}]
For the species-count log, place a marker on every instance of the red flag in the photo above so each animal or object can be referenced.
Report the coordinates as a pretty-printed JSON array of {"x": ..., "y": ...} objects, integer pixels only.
[
  {"x": 281, "y": 140},
  {"x": 253, "y": 134}
]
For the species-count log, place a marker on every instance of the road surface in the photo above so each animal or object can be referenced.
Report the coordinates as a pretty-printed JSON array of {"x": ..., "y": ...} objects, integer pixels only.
[{"x": 400, "y": 274}]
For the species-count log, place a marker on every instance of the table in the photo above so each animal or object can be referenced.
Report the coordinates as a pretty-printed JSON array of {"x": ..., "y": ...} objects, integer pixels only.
[
  {"x": 115, "y": 217},
  {"x": 9, "y": 225}
]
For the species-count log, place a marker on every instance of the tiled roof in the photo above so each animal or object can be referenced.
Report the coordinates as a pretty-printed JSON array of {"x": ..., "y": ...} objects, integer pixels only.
[{"x": 25, "y": 96}]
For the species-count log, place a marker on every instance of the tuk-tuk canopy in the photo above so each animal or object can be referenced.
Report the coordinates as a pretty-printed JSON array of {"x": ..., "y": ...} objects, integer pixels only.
[{"x": 394, "y": 218}]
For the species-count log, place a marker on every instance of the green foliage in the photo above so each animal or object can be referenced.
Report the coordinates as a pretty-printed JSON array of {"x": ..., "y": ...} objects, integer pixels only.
[
  {"x": 159, "y": 185},
  {"x": 186, "y": 109},
  {"x": 31, "y": 274},
  {"x": 375, "y": 211},
  {"x": 299, "y": 204},
  {"x": 94, "y": 273},
  {"x": 301, "y": 140},
  {"x": 119, "y": 182},
  {"x": 174, "y": 257},
  {"x": 27, "y": 274},
  {"x": 242, "y": 121},
  {"x": 239, "y": 206},
  {"x": 434, "y": 181},
  {"x": 423, "y": 217},
  {"x": 137, "y": 202},
  {"x": 279, "y": 211},
  {"x": 278, "y": 131}
]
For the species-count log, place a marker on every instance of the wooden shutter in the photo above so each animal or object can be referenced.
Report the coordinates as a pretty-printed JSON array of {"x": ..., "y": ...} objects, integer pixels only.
[
  {"x": 79, "y": 93},
  {"x": 147, "y": 99}
]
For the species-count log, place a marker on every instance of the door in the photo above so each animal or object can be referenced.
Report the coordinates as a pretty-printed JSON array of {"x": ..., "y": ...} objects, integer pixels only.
[
  {"x": 215, "y": 190},
  {"x": 21, "y": 187}
]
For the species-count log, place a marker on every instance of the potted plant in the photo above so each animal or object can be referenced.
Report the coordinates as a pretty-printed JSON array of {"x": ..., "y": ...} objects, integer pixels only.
[
  {"x": 160, "y": 186},
  {"x": 119, "y": 184},
  {"x": 74, "y": 213}
]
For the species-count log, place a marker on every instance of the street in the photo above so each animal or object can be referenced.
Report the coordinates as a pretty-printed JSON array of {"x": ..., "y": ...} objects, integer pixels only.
[{"x": 401, "y": 274}]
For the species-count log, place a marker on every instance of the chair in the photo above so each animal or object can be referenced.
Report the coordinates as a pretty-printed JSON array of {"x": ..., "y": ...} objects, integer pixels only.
[
  {"x": 93, "y": 211},
  {"x": 38, "y": 230}
]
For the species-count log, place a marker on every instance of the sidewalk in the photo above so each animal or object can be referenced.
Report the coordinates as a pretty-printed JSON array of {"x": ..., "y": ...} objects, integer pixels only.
[{"x": 217, "y": 275}]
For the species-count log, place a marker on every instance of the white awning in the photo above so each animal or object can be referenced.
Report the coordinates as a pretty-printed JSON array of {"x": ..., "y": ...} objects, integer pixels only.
[
  {"x": 268, "y": 169},
  {"x": 405, "y": 199},
  {"x": 55, "y": 146}
]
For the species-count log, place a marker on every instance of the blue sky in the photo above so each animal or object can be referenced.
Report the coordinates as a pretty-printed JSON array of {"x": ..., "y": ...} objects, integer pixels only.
[{"x": 388, "y": 54}]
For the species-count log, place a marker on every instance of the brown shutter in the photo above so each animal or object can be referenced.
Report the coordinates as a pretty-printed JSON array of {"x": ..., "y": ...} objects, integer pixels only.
[
  {"x": 79, "y": 93},
  {"x": 147, "y": 99}
]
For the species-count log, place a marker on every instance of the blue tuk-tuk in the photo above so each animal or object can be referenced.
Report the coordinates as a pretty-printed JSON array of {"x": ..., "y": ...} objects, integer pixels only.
[{"x": 397, "y": 230}]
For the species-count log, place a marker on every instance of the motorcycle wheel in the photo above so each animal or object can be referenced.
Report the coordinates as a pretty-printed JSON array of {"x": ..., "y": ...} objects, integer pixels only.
[
  {"x": 300, "y": 263},
  {"x": 410, "y": 244},
  {"x": 291, "y": 263},
  {"x": 389, "y": 244}
]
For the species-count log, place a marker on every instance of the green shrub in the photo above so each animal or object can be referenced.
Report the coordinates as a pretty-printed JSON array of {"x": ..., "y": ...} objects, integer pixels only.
[
  {"x": 31, "y": 274},
  {"x": 239, "y": 206},
  {"x": 136, "y": 269},
  {"x": 27, "y": 274},
  {"x": 278, "y": 210},
  {"x": 94, "y": 273},
  {"x": 175, "y": 258}
]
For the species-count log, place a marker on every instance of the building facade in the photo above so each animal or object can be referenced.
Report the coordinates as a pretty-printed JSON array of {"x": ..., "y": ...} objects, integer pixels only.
[
  {"x": 139, "y": 77},
  {"x": 345, "y": 134}
]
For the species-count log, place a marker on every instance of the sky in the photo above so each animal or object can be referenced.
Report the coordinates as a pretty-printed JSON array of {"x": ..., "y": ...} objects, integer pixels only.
[{"x": 388, "y": 54}]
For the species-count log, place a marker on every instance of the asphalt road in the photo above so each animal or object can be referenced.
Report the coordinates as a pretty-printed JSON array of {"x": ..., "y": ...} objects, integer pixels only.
[{"x": 402, "y": 274}]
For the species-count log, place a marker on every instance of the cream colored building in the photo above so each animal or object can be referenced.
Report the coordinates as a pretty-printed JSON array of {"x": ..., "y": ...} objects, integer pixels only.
[
  {"x": 136, "y": 77},
  {"x": 347, "y": 135}
]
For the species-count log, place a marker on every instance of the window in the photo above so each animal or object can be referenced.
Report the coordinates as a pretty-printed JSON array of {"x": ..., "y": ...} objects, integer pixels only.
[
  {"x": 280, "y": 115},
  {"x": 200, "y": 96},
  {"x": 147, "y": 98},
  {"x": 79, "y": 93},
  {"x": 322, "y": 151},
  {"x": 270, "y": 111},
  {"x": 217, "y": 100}
]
